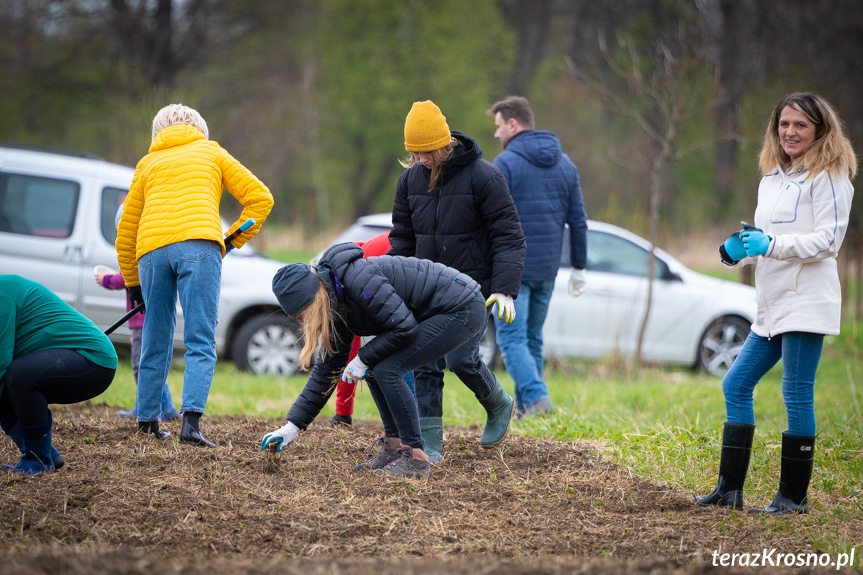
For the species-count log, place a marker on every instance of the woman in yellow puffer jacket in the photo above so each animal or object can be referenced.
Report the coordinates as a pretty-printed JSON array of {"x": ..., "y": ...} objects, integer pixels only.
[{"x": 170, "y": 242}]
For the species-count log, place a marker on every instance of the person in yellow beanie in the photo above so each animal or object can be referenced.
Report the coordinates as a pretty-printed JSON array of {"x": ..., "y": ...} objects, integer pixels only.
[{"x": 453, "y": 207}]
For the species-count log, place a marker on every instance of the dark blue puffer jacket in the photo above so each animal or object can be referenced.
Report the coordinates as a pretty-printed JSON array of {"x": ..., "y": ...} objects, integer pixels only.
[
  {"x": 386, "y": 296},
  {"x": 545, "y": 187}
]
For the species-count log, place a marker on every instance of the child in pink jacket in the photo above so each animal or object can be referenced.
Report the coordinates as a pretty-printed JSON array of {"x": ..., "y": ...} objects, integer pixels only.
[{"x": 109, "y": 279}]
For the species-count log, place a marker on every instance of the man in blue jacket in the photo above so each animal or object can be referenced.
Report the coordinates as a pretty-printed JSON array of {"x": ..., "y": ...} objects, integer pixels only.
[{"x": 546, "y": 190}]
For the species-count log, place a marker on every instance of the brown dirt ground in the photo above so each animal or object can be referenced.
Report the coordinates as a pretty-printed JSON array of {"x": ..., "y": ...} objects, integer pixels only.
[{"x": 130, "y": 504}]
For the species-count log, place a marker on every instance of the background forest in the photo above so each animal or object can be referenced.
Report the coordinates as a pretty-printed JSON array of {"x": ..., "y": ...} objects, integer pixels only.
[{"x": 661, "y": 103}]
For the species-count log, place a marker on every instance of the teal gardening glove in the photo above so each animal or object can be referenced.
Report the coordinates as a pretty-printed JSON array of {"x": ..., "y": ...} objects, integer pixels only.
[
  {"x": 732, "y": 251},
  {"x": 281, "y": 437},
  {"x": 355, "y": 371},
  {"x": 756, "y": 242}
]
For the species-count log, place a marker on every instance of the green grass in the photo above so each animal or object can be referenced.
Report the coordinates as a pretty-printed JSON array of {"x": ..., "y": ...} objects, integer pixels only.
[{"x": 661, "y": 423}]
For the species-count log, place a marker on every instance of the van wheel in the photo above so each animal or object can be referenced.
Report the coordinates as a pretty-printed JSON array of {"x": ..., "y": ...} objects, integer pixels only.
[{"x": 267, "y": 344}]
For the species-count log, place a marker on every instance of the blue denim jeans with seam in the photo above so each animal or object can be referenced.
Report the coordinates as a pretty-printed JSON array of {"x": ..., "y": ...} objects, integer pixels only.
[
  {"x": 191, "y": 269},
  {"x": 520, "y": 342},
  {"x": 437, "y": 336},
  {"x": 800, "y": 353}
]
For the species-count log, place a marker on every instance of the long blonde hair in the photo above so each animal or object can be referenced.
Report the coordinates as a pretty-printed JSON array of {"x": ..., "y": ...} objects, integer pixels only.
[
  {"x": 831, "y": 150},
  {"x": 439, "y": 157},
  {"x": 318, "y": 326}
]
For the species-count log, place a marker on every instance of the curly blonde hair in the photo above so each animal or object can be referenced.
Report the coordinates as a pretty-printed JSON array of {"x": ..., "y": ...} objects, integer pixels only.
[
  {"x": 174, "y": 114},
  {"x": 831, "y": 150}
]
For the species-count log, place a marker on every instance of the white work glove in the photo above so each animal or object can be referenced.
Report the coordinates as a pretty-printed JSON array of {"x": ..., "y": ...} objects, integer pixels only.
[
  {"x": 99, "y": 273},
  {"x": 281, "y": 437},
  {"x": 505, "y": 306},
  {"x": 577, "y": 282},
  {"x": 355, "y": 371}
]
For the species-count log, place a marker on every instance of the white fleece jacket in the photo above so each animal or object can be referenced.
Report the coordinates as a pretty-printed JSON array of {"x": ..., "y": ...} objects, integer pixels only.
[{"x": 797, "y": 281}]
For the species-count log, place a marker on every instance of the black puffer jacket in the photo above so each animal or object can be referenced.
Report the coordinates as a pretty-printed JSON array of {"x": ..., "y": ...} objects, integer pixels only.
[
  {"x": 469, "y": 223},
  {"x": 384, "y": 296}
]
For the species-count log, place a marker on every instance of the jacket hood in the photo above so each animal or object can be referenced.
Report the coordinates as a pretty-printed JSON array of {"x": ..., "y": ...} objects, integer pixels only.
[
  {"x": 538, "y": 147},
  {"x": 332, "y": 265},
  {"x": 468, "y": 152},
  {"x": 175, "y": 136},
  {"x": 463, "y": 155}
]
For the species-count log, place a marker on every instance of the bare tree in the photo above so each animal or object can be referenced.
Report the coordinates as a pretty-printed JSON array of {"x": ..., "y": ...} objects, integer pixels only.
[{"x": 661, "y": 92}]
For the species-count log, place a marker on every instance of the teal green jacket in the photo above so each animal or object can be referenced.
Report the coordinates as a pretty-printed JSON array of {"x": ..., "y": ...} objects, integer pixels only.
[{"x": 33, "y": 319}]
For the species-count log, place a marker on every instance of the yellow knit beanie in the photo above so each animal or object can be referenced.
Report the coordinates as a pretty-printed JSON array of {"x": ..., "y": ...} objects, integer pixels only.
[{"x": 426, "y": 128}]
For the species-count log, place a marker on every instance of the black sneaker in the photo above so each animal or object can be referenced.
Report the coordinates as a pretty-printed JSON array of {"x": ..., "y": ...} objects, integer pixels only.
[
  {"x": 407, "y": 466},
  {"x": 342, "y": 420},
  {"x": 381, "y": 459}
]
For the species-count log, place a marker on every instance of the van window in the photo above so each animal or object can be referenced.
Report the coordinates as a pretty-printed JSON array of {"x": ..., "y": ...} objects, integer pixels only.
[
  {"x": 36, "y": 206},
  {"x": 112, "y": 200}
]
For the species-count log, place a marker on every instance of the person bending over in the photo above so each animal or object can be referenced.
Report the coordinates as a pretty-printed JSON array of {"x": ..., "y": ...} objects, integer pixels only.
[{"x": 418, "y": 312}]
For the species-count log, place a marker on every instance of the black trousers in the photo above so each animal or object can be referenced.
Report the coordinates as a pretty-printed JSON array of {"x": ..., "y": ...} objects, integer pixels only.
[{"x": 50, "y": 376}]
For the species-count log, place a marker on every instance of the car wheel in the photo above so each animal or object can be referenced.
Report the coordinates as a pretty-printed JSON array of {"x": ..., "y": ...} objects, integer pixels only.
[
  {"x": 488, "y": 350},
  {"x": 721, "y": 343},
  {"x": 267, "y": 344}
]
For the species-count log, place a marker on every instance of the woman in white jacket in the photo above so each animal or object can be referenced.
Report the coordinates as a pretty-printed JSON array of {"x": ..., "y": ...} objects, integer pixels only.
[{"x": 804, "y": 202}]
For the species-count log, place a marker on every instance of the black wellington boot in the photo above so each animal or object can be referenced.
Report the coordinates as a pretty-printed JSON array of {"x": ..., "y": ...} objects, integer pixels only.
[
  {"x": 798, "y": 457},
  {"x": 191, "y": 434},
  {"x": 152, "y": 427},
  {"x": 733, "y": 464}
]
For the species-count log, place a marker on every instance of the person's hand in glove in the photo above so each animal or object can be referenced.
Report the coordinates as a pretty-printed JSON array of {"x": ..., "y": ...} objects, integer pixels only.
[
  {"x": 355, "y": 371},
  {"x": 505, "y": 306},
  {"x": 577, "y": 282},
  {"x": 732, "y": 251},
  {"x": 281, "y": 437},
  {"x": 137, "y": 297},
  {"x": 756, "y": 242}
]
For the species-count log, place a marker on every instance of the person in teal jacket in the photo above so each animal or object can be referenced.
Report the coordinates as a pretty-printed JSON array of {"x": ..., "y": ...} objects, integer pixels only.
[{"x": 49, "y": 353}]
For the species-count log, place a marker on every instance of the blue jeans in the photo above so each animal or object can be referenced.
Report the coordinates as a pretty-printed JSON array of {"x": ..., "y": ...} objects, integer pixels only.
[
  {"x": 438, "y": 336},
  {"x": 800, "y": 353},
  {"x": 463, "y": 360},
  {"x": 192, "y": 269},
  {"x": 521, "y": 342}
]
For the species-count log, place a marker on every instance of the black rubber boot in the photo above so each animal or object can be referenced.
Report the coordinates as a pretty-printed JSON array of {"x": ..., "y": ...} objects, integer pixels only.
[
  {"x": 733, "y": 464},
  {"x": 191, "y": 434},
  {"x": 798, "y": 457}
]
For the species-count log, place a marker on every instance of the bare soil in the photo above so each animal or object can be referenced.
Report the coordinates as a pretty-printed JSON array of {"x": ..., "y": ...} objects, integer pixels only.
[{"x": 131, "y": 504}]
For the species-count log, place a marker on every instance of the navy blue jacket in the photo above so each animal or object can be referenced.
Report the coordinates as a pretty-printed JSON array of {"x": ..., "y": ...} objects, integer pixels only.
[
  {"x": 545, "y": 187},
  {"x": 383, "y": 296},
  {"x": 468, "y": 223}
]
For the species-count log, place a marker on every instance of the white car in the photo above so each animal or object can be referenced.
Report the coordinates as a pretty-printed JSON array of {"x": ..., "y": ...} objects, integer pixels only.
[
  {"x": 57, "y": 215},
  {"x": 695, "y": 320}
]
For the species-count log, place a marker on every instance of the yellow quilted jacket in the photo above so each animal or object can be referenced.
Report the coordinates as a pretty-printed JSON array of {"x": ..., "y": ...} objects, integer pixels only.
[{"x": 175, "y": 196}]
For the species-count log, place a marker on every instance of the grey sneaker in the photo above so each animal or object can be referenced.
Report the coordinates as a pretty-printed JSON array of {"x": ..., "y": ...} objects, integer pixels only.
[
  {"x": 407, "y": 466},
  {"x": 381, "y": 459},
  {"x": 541, "y": 407}
]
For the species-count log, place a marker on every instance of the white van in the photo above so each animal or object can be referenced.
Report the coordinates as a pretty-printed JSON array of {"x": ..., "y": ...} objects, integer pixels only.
[{"x": 57, "y": 214}]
